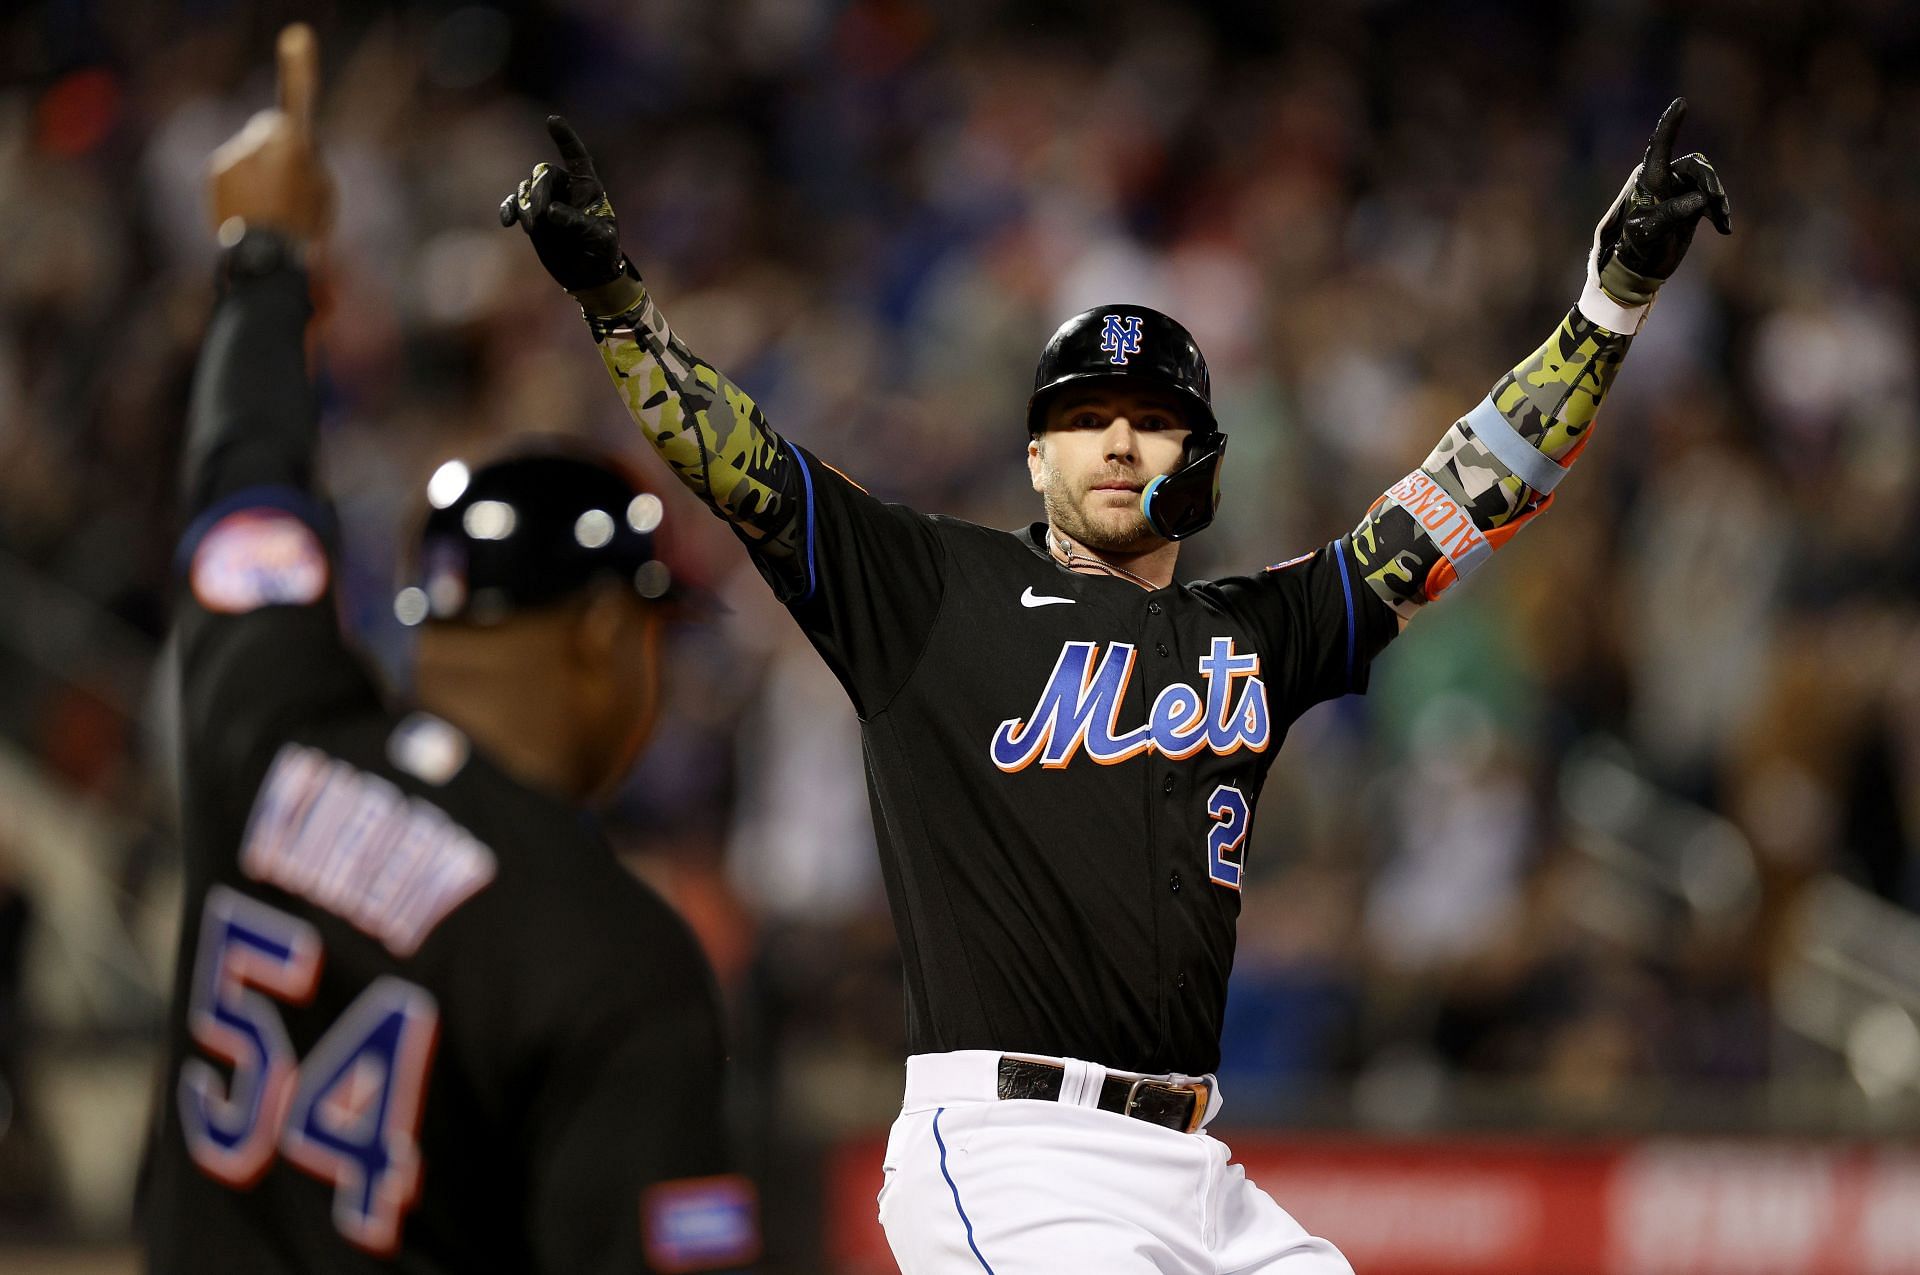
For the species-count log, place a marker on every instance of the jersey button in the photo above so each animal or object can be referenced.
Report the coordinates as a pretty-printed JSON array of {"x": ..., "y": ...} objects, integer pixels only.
[
  {"x": 1180, "y": 982},
  {"x": 1173, "y": 883},
  {"x": 1160, "y": 647},
  {"x": 1153, "y": 608},
  {"x": 1166, "y": 785}
]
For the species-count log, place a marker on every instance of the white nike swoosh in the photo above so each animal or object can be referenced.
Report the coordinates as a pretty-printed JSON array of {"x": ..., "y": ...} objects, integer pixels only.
[{"x": 1031, "y": 599}]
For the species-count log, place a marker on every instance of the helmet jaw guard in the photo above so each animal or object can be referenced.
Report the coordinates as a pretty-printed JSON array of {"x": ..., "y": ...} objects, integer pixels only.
[{"x": 1182, "y": 503}]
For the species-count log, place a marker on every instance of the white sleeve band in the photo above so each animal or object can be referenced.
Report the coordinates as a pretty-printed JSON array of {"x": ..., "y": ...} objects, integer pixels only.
[
  {"x": 1528, "y": 463},
  {"x": 1621, "y": 320}
]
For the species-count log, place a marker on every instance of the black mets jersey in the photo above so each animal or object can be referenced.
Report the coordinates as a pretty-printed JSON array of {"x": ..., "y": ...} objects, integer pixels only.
[
  {"x": 1064, "y": 767},
  {"x": 422, "y": 1019}
]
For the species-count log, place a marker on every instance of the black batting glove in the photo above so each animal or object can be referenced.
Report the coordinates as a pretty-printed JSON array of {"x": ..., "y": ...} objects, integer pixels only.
[
  {"x": 566, "y": 213},
  {"x": 1650, "y": 226}
]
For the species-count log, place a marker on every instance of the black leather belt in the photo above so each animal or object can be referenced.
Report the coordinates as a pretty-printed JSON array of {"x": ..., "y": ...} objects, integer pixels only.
[{"x": 1171, "y": 1106}]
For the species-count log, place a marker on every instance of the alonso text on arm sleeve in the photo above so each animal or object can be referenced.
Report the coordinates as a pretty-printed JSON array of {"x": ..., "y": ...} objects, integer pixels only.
[{"x": 1492, "y": 472}]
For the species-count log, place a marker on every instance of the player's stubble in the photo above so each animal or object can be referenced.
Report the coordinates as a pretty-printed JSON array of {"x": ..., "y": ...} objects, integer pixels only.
[{"x": 1098, "y": 520}]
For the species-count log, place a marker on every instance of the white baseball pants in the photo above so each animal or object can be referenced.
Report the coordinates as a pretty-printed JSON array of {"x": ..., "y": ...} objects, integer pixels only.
[{"x": 980, "y": 1186}]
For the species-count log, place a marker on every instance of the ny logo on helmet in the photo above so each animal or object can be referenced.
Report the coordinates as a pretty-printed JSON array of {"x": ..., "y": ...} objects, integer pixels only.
[{"x": 1120, "y": 337}]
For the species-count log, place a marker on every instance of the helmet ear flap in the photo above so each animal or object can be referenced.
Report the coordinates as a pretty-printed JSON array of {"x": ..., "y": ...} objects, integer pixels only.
[{"x": 1182, "y": 503}]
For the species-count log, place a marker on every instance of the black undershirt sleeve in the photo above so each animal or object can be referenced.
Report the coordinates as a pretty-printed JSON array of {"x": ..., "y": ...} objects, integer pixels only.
[
  {"x": 260, "y": 645},
  {"x": 253, "y": 420}
]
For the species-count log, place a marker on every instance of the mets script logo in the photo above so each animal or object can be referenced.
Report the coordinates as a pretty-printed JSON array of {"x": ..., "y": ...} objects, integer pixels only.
[
  {"x": 1080, "y": 707},
  {"x": 1120, "y": 337}
]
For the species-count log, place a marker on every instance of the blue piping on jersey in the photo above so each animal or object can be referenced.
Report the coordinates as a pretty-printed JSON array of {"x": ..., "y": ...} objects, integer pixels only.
[
  {"x": 958, "y": 1207},
  {"x": 279, "y": 496},
  {"x": 806, "y": 475},
  {"x": 1346, "y": 590}
]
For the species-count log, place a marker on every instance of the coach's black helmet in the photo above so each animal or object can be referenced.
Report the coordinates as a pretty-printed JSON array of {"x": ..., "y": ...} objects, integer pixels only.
[
  {"x": 1141, "y": 347},
  {"x": 528, "y": 530}
]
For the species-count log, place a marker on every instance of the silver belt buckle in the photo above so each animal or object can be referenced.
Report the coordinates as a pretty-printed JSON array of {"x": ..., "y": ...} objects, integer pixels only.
[
  {"x": 1196, "y": 1092},
  {"x": 1133, "y": 1092}
]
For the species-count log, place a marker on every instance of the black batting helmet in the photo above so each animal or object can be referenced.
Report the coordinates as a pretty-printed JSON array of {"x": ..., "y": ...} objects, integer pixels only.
[
  {"x": 1132, "y": 345},
  {"x": 1129, "y": 343},
  {"x": 528, "y": 530}
]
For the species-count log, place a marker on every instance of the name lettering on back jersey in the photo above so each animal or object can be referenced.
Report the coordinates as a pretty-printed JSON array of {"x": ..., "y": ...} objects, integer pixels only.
[
  {"x": 1079, "y": 708},
  {"x": 391, "y": 865}
]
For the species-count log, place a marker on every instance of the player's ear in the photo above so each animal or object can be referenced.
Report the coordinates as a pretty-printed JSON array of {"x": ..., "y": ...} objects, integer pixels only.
[{"x": 1034, "y": 460}]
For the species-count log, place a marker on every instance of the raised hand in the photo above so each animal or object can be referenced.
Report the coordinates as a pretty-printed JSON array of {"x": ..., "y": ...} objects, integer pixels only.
[
  {"x": 1648, "y": 232},
  {"x": 270, "y": 173},
  {"x": 566, "y": 213}
]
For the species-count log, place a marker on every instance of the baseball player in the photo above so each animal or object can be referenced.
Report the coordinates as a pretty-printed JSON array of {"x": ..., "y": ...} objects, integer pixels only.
[
  {"x": 1065, "y": 744},
  {"x": 422, "y": 1019}
]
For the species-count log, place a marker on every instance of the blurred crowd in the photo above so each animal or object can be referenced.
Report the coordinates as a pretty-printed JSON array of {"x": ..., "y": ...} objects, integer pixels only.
[{"x": 872, "y": 213}]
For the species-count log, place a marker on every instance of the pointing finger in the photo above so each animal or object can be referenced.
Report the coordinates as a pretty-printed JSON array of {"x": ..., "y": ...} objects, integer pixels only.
[
  {"x": 298, "y": 58},
  {"x": 573, "y": 152},
  {"x": 1660, "y": 146}
]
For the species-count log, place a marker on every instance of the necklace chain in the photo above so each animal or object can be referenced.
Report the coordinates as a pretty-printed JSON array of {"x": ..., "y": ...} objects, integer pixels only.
[{"x": 1064, "y": 554}]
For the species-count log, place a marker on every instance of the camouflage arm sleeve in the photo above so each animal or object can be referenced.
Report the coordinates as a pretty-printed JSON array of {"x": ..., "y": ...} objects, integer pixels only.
[
  {"x": 711, "y": 434},
  {"x": 1492, "y": 472}
]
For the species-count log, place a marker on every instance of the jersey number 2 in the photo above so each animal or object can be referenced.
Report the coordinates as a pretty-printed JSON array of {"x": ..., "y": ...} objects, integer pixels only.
[
  {"x": 1227, "y": 839},
  {"x": 349, "y": 1114}
]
